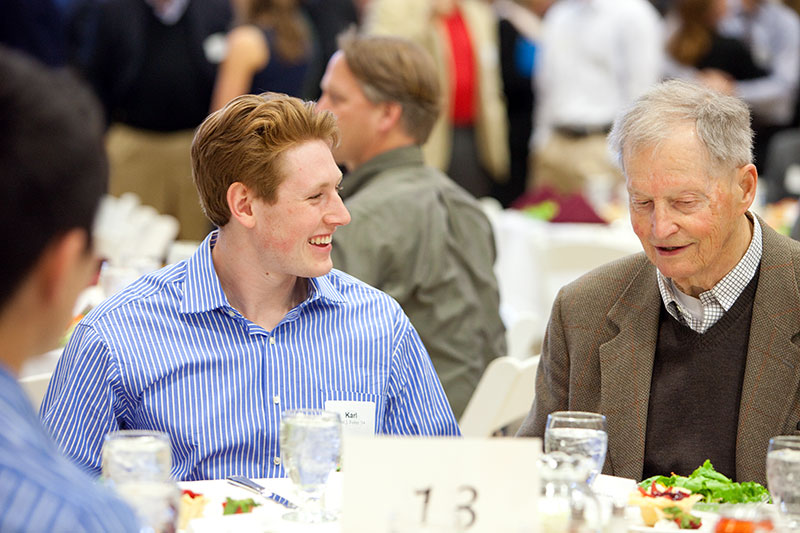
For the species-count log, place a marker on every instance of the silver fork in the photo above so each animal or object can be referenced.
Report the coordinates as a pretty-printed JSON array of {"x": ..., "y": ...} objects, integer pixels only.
[{"x": 252, "y": 486}]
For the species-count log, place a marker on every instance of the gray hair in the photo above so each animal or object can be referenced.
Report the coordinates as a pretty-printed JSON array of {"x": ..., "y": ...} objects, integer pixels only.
[{"x": 722, "y": 123}]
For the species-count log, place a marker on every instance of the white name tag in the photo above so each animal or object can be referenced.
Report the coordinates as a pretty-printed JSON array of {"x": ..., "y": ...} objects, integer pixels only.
[
  {"x": 412, "y": 484},
  {"x": 358, "y": 418}
]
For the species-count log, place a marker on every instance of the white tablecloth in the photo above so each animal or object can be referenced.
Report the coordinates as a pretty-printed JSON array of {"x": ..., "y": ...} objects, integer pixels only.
[{"x": 265, "y": 518}]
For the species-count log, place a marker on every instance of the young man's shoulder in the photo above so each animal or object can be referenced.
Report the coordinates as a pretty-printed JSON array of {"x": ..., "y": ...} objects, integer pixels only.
[
  {"x": 163, "y": 283},
  {"x": 353, "y": 291}
]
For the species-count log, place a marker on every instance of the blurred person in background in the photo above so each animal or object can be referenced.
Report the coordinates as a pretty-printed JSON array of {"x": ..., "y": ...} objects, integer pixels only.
[
  {"x": 213, "y": 349},
  {"x": 519, "y": 28},
  {"x": 469, "y": 142},
  {"x": 687, "y": 347},
  {"x": 269, "y": 50},
  {"x": 414, "y": 233},
  {"x": 696, "y": 50},
  {"x": 772, "y": 33},
  {"x": 54, "y": 172},
  {"x": 329, "y": 18},
  {"x": 153, "y": 65},
  {"x": 36, "y": 27},
  {"x": 596, "y": 57}
]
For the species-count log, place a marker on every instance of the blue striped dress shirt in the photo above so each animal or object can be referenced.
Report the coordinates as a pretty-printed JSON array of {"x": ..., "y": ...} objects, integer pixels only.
[
  {"x": 169, "y": 353},
  {"x": 40, "y": 490}
]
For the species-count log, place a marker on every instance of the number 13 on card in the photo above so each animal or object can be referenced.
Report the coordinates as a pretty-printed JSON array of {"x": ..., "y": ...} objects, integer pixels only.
[
  {"x": 464, "y": 516},
  {"x": 438, "y": 484}
]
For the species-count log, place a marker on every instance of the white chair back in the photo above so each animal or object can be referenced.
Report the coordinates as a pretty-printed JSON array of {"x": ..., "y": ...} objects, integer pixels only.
[
  {"x": 566, "y": 257},
  {"x": 503, "y": 395},
  {"x": 524, "y": 335}
]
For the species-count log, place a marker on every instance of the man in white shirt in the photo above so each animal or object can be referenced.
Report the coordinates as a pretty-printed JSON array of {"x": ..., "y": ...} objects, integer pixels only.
[{"x": 596, "y": 57}]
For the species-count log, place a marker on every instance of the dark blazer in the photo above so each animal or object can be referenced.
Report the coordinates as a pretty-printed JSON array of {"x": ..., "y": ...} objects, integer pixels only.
[{"x": 600, "y": 345}]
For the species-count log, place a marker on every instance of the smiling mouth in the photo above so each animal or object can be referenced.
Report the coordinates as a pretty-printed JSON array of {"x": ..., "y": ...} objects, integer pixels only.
[
  {"x": 669, "y": 248},
  {"x": 321, "y": 241}
]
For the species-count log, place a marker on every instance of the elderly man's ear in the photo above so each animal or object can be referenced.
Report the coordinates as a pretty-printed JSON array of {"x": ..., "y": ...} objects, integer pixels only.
[{"x": 746, "y": 181}]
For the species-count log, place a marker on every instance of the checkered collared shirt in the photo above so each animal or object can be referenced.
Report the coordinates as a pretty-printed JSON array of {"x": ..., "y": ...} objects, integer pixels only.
[{"x": 721, "y": 297}]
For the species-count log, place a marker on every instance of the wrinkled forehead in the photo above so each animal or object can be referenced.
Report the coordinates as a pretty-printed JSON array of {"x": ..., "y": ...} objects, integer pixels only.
[{"x": 677, "y": 140}]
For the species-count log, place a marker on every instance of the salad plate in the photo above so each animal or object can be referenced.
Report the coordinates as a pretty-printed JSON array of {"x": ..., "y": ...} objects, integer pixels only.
[{"x": 709, "y": 520}]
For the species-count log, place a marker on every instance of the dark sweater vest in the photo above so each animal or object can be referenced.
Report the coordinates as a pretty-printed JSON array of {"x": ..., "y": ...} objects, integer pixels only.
[
  {"x": 172, "y": 91},
  {"x": 695, "y": 392}
]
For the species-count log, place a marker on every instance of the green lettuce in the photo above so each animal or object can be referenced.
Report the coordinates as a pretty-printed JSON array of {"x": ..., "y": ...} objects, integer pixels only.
[{"x": 715, "y": 487}]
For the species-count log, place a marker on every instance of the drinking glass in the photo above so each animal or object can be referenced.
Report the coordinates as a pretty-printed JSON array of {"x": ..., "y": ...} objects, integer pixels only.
[
  {"x": 578, "y": 433},
  {"x": 310, "y": 448},
  {"x": 137, "y": 464},
  {"x": 783, "y": 479},
  {"x": 136, "y": 455}
]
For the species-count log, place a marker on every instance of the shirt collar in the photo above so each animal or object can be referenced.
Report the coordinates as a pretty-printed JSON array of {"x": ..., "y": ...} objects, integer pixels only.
[
  {"x": 323, "y": 288},
  {"x": 730, "y": 287},
  {"x": 203, "y": 290},
  {"x": 13, "y": 394},
  {"x": 172, "y": 13}
]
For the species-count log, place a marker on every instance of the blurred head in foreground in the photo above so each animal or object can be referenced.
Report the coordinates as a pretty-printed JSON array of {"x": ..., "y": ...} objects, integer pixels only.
[{"x": 54, "y": 172}]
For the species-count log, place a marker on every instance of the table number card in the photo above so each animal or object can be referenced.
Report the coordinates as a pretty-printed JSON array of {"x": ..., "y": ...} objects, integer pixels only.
[{"x": 441, "y": 484}]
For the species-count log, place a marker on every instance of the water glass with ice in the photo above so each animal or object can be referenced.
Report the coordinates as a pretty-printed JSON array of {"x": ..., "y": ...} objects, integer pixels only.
[
  {"x": 783, "y": 479},
  {"x": 136, "y": 455},
  {"x": 137, "y": 465},
  {"x": 578, "y": 433},
  {"x": 310, "y": 449}
]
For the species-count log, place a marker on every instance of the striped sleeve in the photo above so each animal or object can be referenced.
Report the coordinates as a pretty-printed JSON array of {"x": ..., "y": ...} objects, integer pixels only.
[
  {"x": 418, "y": 404},
  {"x": 78, "y": 408}
]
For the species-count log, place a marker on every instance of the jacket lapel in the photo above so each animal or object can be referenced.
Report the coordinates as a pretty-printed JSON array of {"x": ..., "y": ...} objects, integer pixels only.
[
  {"x": 626, "y": 367},
  {"x": 772, "y": 374}
]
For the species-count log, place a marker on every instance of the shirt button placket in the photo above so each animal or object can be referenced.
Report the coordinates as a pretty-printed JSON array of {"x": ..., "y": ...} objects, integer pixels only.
[{"x": 276, "y": 399}]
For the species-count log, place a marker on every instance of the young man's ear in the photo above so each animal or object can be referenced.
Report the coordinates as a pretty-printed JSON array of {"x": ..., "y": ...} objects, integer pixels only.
[
  {"x": 240, "y": 202},
  {"x": 66, "y": 265}
]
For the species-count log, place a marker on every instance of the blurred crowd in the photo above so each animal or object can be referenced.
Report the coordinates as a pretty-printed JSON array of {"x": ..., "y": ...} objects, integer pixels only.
[{"x": 530, "y": 87}]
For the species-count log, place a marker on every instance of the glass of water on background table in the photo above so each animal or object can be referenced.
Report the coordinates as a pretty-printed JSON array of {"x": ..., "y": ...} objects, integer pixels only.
[
  {"x": 578, "y": 433},
  {"x": 783, "y": 478},
  {"x": 310, "y": 450},
  {"x": 137, "y": 464}
]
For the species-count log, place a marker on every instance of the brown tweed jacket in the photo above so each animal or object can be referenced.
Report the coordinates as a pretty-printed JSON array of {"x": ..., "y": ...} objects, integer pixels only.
[{"x": 600, "y": 344}]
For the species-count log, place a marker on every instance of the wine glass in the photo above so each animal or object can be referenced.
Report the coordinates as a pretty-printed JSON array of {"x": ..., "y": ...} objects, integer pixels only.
[
  {"x": 783, "y": 479},
  {"x": 137, "y": 464},
  {"x": 310, "y": 448},
  {"x": 578, "y": 433}
]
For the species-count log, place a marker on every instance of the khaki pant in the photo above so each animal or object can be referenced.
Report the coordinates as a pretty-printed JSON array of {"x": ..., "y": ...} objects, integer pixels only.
[
  {"x": 571, "y": 164},
  {"x": 157, "y": 167}
]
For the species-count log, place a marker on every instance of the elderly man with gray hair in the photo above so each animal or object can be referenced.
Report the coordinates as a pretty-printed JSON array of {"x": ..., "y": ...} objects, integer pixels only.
[
  {"x": 690, "y": 349},
  {"x": 414, "y": 233}
]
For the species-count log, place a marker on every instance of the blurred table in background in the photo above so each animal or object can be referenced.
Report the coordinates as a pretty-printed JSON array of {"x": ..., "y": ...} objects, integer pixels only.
[{"x": 536, "y": 258}]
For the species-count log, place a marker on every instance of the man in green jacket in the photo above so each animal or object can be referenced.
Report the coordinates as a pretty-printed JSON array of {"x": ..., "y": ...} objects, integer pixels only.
[{"x": 414, "y": 233}]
